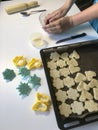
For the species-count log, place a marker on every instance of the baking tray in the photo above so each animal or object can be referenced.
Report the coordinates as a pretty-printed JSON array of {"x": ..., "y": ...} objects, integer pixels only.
[{"x": 88, "y": 52}]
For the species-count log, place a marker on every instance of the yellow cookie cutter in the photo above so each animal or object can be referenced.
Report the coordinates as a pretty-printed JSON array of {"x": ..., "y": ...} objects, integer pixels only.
[
  {"x": 43, "y": 98},
  {"x": 40, "y": 106},
  {"x": 42, "y": 102},
  {"x": 19, "y": 61},
  {"x": 34, "y": 63}
]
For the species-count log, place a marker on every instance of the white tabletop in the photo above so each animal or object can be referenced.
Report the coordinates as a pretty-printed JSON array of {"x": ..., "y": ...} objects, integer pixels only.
[{"x": 15, "y": 33}]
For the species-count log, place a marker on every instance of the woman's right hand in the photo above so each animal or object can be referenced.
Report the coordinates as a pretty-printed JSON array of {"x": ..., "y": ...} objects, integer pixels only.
[
  {"x": 55, "y": 15},
  {"x": 59, "y": 13}
]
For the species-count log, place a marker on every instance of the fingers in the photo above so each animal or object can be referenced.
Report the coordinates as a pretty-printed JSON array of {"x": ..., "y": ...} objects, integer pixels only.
[
  {"x": 50, "y": 18},
  {"x": 53, "y": 16},
  {"x": 52, "y": 28},
  {"x": 59, "y": 26}
]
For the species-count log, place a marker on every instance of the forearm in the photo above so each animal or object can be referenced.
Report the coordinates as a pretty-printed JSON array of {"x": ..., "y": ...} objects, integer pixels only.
[
  {"x": 86, "y": 15},
  {"x": 68, "y": 4}
]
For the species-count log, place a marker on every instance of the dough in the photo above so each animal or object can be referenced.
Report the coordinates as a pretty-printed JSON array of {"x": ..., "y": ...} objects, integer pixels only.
[{"x": 20, "y": 7}]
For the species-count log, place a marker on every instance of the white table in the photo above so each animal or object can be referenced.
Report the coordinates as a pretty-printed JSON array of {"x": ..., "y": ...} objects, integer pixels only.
[{"x": 15, "y": 34}]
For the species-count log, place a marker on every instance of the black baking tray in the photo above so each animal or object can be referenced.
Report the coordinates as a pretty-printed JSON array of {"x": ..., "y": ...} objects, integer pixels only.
[{"x": 88, "y": 52}]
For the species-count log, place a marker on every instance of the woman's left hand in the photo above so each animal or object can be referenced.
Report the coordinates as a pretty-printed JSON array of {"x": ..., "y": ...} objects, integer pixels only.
[{"x": 59, "y": 25}]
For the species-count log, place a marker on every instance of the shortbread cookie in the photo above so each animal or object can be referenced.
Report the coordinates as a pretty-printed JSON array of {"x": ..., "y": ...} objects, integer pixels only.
[
  {"x": 51, "y": 65},
  {"x": 77, "y": 107},
  {"x": 91, "y": 106},
  {"x": 74, "y": 54},
  {"x": 64, "y": 56},
  {"x": 54, "y": 56},
  {"x": 95, "y": 91},
  {"x": 90, "y": 75},
  {"x": 82, "y": 86},
  {"x": 68, "y": 81},
  {"x": 85, "y": 95},
  {"x": 61, "y": 63},
  {"x": 58, "y": 83},
  {"x": 64, "y": 72},
  {"x": 80, "y": 77},
  {"x": 65, "y": 109},
  {"x": 54, "y": 73},
  {"x": 72, "y": 94},
  {"x": 72, "y": 62},
  {"x": 61, "y": 96},
  {"x": 74, "y": 69}
]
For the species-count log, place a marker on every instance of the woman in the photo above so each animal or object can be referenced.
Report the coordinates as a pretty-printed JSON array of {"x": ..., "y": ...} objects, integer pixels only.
[{"x": 56, "y": 22}]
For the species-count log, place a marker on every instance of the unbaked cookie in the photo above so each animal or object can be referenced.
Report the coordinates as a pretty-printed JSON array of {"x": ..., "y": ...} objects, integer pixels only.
[
  {"x": 77, "y": 107},
  {"x": 93, "y": 83},
  {"x": 95, "y": 91},
  {"x": 82, "y": 86},
  {"x": 61, "y": 95},
  {"x": 65, "y": 109},
  {"x": 61, "y": 63},
  {"x": 85, "y": 95},
  {"x": 68, "y": 81},
  {"x": 54, "y": 56},
  {"x": 80, "y": 77},
  {"x": 64, "y": 56},
  {"x": 51, "y": 65},
  {"x": 73, "y": 69},
  {"x": 54, "y": 73},
  {"x": 72, "y": 94},
  {"x": 90, "y": 75},
  {"x": 74, "y": 54},
  {"x": 64, "y": 72},
  {"x": 58, "y": 83},
  {"x": 72, "y": 62},
  {"x": 91, "y": 106}
]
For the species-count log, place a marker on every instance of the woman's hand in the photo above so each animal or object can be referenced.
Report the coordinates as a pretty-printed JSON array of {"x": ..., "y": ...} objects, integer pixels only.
[
  {"x": 61, "y": 12},
  {"x": 55, "y": 15},
  {"x": 59, "y": 25}
]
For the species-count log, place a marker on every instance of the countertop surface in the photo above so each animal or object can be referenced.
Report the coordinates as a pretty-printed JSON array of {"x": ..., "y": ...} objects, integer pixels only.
[{"x": 15, "y": 35}]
